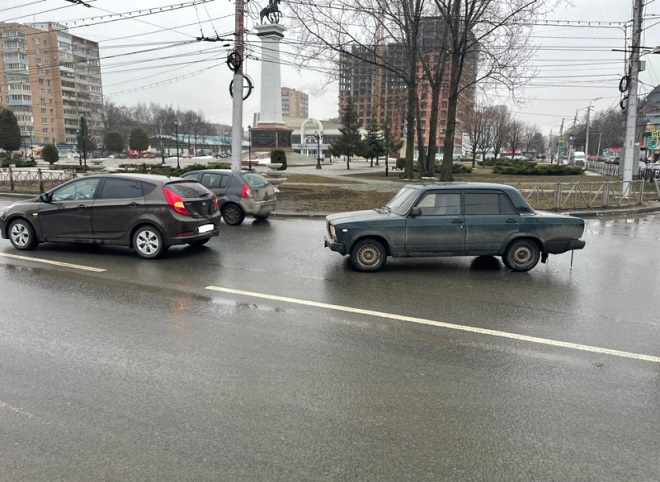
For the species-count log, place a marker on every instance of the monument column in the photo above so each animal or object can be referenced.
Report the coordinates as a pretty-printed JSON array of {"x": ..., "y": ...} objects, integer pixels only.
[{"x": 271, "y": 132}]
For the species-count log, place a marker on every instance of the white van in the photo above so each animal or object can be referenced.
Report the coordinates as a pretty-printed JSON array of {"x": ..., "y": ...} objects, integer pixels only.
[{"x": 579, "y": 156}]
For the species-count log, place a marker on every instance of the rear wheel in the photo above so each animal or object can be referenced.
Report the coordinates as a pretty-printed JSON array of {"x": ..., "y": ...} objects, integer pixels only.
[
  {"x": 368, "y": 255},
  {"x": 21, "y": 235},
  {"x": 232, "y": 214},
  {"x": 522, "y": 255},
  {"x": 148, "y": 242}
]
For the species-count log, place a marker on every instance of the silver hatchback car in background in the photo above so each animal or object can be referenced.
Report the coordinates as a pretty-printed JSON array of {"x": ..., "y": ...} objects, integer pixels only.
[{"x": 239, "y": 193}]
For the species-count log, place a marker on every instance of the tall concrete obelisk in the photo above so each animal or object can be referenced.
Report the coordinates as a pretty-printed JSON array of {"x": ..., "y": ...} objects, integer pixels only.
[{"x": 271, "y": 132}]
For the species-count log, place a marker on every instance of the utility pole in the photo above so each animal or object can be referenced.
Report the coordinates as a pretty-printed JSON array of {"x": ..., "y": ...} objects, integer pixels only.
[
  {"x": 586, "y": 144},
  {"x": 631, "y": 121},
  {"x": 237, "y": 104},
  {"x": 561, "y": 136}
]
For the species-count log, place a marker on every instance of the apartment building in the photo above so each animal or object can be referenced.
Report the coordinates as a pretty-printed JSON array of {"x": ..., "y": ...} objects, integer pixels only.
[
  {"x": 294, "y": 103},
  {"x": 50, "y": 79}
]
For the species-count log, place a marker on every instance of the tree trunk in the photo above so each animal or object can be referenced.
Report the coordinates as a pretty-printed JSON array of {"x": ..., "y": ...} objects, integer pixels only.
[{"x": 421, "y": 157}]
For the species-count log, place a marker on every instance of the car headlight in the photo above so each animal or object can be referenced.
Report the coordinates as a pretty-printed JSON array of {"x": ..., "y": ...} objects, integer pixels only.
[{"x": 333, "y": 232}]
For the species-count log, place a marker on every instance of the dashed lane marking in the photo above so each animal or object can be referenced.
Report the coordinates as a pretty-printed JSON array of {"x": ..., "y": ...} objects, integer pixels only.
[
  {"x": 54, "y": 263},
  {"x": 440, "y": 324}
]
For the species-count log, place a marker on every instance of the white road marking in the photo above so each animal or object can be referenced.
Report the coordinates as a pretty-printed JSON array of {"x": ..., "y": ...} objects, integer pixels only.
[
  {"x": 450, "y": 326},
  {"x": 54, "y": 263}
]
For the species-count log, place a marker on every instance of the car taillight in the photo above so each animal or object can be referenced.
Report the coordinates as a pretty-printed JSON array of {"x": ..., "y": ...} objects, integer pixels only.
[
  {"x": 247, "y": 192},
  {"x": 175, "y": 201},
  {"x": 216, "y": 206}
]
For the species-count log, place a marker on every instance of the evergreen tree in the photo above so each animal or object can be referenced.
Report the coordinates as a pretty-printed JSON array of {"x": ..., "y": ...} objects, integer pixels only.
[
  {"x": 139, "y": 139},
  {"x": 114, "y": 142},
  {"x": 90, "y": 143},
  {"x": 374, "y": 143},
  {"x": 50, "y": 154},
  {"x": 10, "y": 134},
  {"x": 349, "y": 142}
]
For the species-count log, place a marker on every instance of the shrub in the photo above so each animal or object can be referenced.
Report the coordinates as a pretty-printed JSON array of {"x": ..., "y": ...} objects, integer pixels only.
[
  {"x": 50, "y": 154},
  {"x": 458, "y": 169},
  {"x": 20, "y": 162},
  {"x": 531, "y": 169},
  {"x": 278, "y": 156}
]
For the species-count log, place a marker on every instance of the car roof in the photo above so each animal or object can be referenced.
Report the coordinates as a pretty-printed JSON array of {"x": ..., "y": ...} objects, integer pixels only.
[
  {"x": 462, "y": 185},
  {"x": 139, "y": 177},
  {"x": 219, "y": 171}
]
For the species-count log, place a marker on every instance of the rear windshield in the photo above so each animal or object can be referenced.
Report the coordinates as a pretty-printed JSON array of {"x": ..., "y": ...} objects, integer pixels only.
[
  {"x": 188, "y": 189},
  {"x": 255, "y": 180}
]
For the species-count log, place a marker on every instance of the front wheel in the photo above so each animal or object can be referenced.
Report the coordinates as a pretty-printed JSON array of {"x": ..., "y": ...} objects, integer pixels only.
[
  {"x": 148, "y": 242},
  {"x": 522, "y": 255},
  {"x": 21, "y": 235},
  {"x": 368, "y": 255}
]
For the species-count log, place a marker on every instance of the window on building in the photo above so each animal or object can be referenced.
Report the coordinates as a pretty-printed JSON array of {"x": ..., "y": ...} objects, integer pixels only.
[{"x": 45, "y": 130}]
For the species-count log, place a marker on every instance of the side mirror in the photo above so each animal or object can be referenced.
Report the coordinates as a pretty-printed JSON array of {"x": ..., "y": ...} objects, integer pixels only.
[
  {"x": 45, "y": 197},
  {"x": 416, "y": 211}
]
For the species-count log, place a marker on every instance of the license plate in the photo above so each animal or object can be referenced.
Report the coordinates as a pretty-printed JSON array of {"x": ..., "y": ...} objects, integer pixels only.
[{"x": 205, "y": 228}]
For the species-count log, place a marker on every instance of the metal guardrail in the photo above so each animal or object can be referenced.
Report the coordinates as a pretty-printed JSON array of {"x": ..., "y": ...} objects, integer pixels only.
[
  {"x": 33, "y": 178},
  {"x": 603, "y": 168},
  {"x": 579, "y": 195}
]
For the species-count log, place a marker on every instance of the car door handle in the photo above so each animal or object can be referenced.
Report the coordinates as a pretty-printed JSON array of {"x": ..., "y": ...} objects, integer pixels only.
[
  {"x": 133, "y": 205},
  {"x": 457, "y": 221},
  {"x": 511, "y": 221},
  {"x": 82, "y": 206}
]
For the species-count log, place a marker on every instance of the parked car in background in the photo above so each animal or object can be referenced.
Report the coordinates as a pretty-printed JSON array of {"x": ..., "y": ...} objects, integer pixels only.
[
  {"x": 145, "y": 212},
  {"x": 655, "y": 169},
  {"x": 239, "y": 193},
  {"x": 149, "y": 155},
  {"x": 453, "y": 219}
]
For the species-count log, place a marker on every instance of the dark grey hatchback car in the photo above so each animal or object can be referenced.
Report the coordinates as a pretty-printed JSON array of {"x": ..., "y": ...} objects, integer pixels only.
[{"x": 145, "y": 212}]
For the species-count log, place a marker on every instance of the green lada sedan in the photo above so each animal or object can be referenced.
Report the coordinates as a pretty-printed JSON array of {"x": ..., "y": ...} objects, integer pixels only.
[{"x": 453, "y": 219}]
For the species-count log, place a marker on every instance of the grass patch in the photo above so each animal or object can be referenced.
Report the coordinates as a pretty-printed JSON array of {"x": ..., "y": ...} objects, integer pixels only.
[
  {"x": 328, "y": 199},
  {"x": 481, "y": 174},
  {"x": 314, "y": 179}
]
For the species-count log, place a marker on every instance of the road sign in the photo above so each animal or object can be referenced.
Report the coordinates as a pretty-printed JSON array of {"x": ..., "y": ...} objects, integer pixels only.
[
  {"x": 560, "y": 140},
  {"x": 654, "y": 134}
]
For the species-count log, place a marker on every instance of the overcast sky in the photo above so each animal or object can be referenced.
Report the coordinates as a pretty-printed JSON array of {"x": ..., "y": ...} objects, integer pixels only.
[{"x": 575, "y": 64}]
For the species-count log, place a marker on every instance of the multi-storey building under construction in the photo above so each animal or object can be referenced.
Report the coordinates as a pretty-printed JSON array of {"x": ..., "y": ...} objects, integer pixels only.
[
  {"x": 380, "y": 94},
  {"x": 50, "y": 79}
]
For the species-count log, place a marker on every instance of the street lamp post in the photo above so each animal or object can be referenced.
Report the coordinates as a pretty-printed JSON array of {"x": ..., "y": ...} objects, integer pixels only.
[
  {"x": 586, "y": 143},
  {"x": 83, "y": 135},
  {"x": 249, "y": 148},
  {"x": 318, "y": 135},
  {"x": 176, "y": 133}
]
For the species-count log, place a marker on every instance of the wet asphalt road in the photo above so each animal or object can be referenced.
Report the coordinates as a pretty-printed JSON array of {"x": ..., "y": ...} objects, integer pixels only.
[{"x": 142, "y": 373}]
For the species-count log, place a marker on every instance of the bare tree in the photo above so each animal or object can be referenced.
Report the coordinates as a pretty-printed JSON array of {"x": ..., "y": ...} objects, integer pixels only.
[
  {"x": 476, "y": 127},
  {"x": 499, "y": 129},
  {"x": 334, "y": 30},
  {"x": 488, "y": 44},
  {"x": 516, "y": 136}
]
